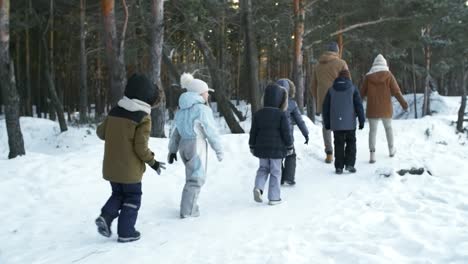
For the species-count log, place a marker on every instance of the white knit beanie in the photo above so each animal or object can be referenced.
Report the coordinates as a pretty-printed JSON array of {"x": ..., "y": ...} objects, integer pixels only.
[
  {"x": 380, "y": 61},
  {"x": 193, "y": 85}
]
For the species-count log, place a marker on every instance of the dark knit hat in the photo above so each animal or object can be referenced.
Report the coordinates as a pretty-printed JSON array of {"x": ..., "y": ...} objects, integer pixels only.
[
  {"x": 333, "y": 46},
  {"x": 344, "y": 74},
  {"x": 141, "y": 88}
]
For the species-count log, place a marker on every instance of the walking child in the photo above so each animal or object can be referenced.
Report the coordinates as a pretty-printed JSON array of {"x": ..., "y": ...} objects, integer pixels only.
[
  {"x": 194, "y": 126},
  {"x": 294, "y": 117},
  {"x": 378, "y": 87},
  {"x": 271, "y": 141},
  {"x": 126, "y": 131},
  {"x": 341, "y": 106}
]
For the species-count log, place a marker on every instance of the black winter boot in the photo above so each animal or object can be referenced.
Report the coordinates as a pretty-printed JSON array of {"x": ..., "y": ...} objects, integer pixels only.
[
  {"x": 103, "y": 224},
  {"x": 136, "y": 235},
  {"x": 350, "y": 168}
]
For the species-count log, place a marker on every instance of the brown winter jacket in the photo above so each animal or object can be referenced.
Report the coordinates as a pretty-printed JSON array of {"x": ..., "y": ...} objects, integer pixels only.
[
  {"x": 379, "y": 87},
  {"x": 325, "y": 72},
  {"x": 126, "y": 137}
]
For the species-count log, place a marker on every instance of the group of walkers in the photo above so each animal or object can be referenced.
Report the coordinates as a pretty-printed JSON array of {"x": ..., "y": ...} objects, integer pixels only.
[{"x": 127, "y": 127}]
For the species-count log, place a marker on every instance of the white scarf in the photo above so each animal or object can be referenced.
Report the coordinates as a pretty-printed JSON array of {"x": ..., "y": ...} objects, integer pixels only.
[
  {"x": 134, "y": 105},
  {"x": 378, "y": 68}
]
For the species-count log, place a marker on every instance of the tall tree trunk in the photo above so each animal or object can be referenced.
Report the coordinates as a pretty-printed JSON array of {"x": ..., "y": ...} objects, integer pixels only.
[
  {"x": 9, "y": 92},
  {"x": 298, "y": 72},
  {"x": 18, "y": 78},
  {"x": 220, "y": 95},
  {"x": 28, "y": 100},
  {"x": 40, "y": 96},
  {"x": 50, "y": 58},
  {"x": 414, "y": 85},
  {"x": 174, "y": 90},
  {"x": 114, "y": 50},
  {"x": 461, "y": 111},
  {"x": 83, "y": 65},
  {"x": 158, "y": 114},
  {"x": 427, "y": 88},
  {"x": 310, "y": 100},
  {"x": 57, "y": 106},
  {"x": 251, "y": 54}
]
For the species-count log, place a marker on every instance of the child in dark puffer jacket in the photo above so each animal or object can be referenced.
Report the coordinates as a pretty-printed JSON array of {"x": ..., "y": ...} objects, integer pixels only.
[
  {"x": 289, "y": 166},
  {"x": 271, "y": 141}
]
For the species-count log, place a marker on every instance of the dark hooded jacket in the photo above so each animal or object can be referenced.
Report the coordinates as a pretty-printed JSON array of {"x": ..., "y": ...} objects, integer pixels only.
[
  {"x": 270, "y": 136},
  {"x": 294, "y": 116},
  {"x": 342, "y": 105},
  {"x": 126, "y": 132}
]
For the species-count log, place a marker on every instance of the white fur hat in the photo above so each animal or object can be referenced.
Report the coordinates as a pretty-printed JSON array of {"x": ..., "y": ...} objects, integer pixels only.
[
  {"x": 380, "y": 61},
  {"x": 193, "y": 85}
]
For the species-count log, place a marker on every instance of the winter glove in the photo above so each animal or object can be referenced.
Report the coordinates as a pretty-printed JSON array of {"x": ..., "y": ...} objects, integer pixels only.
[
  {"x": 290, "y": 151},
  {"x": 171, "y": 157},
  {"x": 220, "y": 156},
  {"x": 157, "y": 166},
  {"x": 306, "y": 140},
  {"x": 361, "y": 126}
]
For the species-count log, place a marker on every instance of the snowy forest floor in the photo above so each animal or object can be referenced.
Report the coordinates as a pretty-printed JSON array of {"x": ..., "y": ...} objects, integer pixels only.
[{"x": 51, "y": 196}]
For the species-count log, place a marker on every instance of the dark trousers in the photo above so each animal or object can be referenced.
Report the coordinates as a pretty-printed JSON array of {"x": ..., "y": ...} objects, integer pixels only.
[
  {"x": 345, "y": 148},
  {"x": 289, "y": 168},
  {"x": 125, "y": 198}
]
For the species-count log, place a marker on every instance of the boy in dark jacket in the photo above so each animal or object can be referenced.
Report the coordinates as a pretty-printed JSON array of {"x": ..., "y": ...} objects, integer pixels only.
[
  {"x": 270, "y": 141},
  {"x": 294, "y": 117},
  {"x": 126, "y": 131},
  {"x": 341, "y": 106}
]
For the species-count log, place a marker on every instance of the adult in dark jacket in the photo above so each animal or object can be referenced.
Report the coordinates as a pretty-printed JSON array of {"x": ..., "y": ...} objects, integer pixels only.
[
  {"x": 341, "y": 106},
  {"x": 126, "y": 131},
  {"x": 295, "y": 117},
  {"x": 271, "y": 141}
]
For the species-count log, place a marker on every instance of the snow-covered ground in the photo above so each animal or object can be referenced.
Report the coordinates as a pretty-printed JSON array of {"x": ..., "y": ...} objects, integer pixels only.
[{"x": 51, "y": 196}]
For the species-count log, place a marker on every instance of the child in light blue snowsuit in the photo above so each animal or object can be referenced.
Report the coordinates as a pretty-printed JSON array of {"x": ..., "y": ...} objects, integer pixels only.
[{"x": 194, "y": 126}]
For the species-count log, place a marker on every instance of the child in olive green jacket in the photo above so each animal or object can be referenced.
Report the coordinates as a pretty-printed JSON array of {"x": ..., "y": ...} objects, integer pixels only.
[{"x": 126, "y": 132}]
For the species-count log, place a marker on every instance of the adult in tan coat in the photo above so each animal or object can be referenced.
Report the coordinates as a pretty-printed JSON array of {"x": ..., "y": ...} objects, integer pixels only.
[
  {"x": 378, "y": 87},
  {"x": 325, "y": 72},
  {"x": 126, "y": 131}
]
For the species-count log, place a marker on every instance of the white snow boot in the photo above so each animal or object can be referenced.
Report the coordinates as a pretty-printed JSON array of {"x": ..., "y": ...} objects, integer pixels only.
[
  {"x": 258, "y": 195},
  {"x": 275, "y": 202},
  {"x": 372, "y": 157}
]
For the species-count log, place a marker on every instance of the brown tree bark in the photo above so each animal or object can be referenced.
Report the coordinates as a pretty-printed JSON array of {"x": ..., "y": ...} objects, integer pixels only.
[
  {"x": 158, "y": 114},
  {"x": 9, "y": 92},
  {"x": 114, "y": 50},
  {"x": 220, "y": 96},
  {"x": 251, "y": 54},
  {"x": 298, "y": 72}
]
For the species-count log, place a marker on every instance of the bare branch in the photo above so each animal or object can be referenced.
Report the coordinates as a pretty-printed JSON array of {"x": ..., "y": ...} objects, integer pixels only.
[
  {"x": 358, "y": 25},
  {"x": 310, "y": 4}
]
